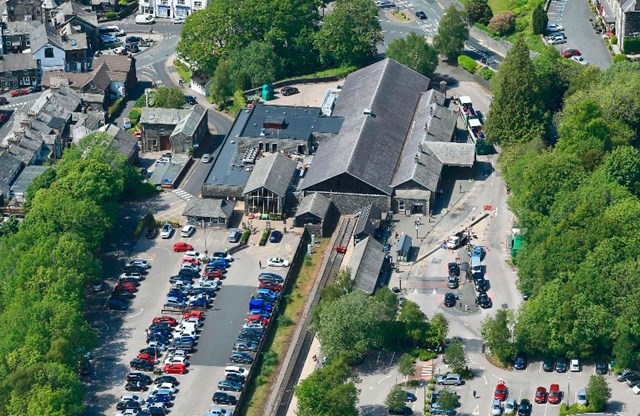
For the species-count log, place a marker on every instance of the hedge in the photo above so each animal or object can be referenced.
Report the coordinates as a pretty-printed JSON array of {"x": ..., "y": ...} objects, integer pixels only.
[
  {"x": 485, "y": 72},
  {"x": 245, "y": 236},
  {"x": 620, "y": 58},
  {"x": 264, "y": 238},
  {"x": 110, "y": 15},
  {"x": 134, "y": 116},
  {"x": 467, "y": 63},
  {"x": 631, "y": 45}
]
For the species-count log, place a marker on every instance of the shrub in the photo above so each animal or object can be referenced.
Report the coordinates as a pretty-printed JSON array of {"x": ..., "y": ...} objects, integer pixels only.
[
  {"x": 123, "y": 3},
  {"x": 245, "y": 236},
  {"x": 631, "y": 45},
  {"x": 503, "y": 23},
  {"x": 486, "y": 73},
  {"x": 134, "y": 116},
  {"x": 110, "y": 15},
  {"x": 467, "y": 63},
  {"x": 614, "y": 40},
  {"x": 115, "y": 107},
  {"x": 620, "y": 58},
  {"x": 427, "y": 355},
  {"x": 264, "y": 238}
]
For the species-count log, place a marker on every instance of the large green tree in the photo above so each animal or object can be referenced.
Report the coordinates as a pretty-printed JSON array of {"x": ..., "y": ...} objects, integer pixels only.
[
  {"x": 598, "y": 392},
  {"x": 452, "y": 33},
  {"x": 478, "y": 11},
  {"x": 259, "y": 61},
  {"x": 350, "y": 34},
  {"x": 456, "y": 356},
  {"x": 539, "y": 20},
  {"x": 223, "y": 83},
  {"x": 168, "y": 97},
  {"x": 396, "y": 398},
  {"x": 496, "y": 331},
  {"x": 414, "y": 52},
  {"x": 517, "y": 112}
]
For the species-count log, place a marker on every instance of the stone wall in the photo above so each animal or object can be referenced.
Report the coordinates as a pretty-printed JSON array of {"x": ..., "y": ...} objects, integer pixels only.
[{"x": 348, "y": 204}]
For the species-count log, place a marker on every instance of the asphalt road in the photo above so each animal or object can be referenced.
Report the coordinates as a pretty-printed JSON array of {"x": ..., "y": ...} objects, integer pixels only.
[{"x": 123, "y": 333}]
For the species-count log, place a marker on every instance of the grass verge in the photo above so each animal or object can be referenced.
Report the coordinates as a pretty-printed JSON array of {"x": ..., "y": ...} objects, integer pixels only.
[
  {"x": 290, "y": 316},
  {"x": 183, "y": 70}
]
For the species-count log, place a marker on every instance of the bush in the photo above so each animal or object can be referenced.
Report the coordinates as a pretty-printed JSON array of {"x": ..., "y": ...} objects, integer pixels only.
[
  {"x": 620, "y": 58},
  {"x": 425, "y": 355},
  {"x": 264, "y": 238},
  {"x": 134, "y": 116},
  {"x": 503, "y": 23},
  {"x": 245, "y": 236},
  {"x": 631, "y": 45},
  {"x": 486, "y": 73},
  {"x": 110, "y": 15},
  {"x": 614, "y": 40},
  {"x": 123, "y": 3},
  {"x": 467, "y": 63},
  {"x": 115, "y": 107}
]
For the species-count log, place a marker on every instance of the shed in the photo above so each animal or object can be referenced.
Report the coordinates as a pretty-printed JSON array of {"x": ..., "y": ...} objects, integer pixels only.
[
  {"x": 366, "y": 264},
  {"x": 317, "y": 213},
  {"x": 403, "y": 248},
  {"x": 368, "y": 223},
  {"x": 209, "y": 212},
  {"x": 267, "y": 186}
]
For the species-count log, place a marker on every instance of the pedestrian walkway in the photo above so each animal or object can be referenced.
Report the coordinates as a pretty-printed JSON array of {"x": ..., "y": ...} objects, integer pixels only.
[
  {"x": 426, "y": 370},
  {"x": 310, "y": 366},
  {"x": 183, "y": 194}
]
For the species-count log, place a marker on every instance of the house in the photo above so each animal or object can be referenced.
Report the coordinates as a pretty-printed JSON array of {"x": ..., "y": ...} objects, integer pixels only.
[
  {"x": 24, "y": 179},
  {"x": 54, "y": 52},
  {"x": 209, "y": 212},
  {"x": 173, "y": 129},
  {"x": 316, "y": 213},
  {"x": 122, "y": 142},
  {"x": 22, "y": 10},
  {"x": 10, "y": 168},
  {"x": 171, "y": 8},
  {"x": 72, "y": 17},
  {"x": 367, "y": 224},
  {"x": 18, "y": 70},
  {"x": 267, "y": 187},
  {"x": 366, "y": 264},
  {"x": 622, "y": 18},
  {"x": 15, "y": 36},
  {"x": 200, "y": 83},
  {"x": 382, "y": 150}
]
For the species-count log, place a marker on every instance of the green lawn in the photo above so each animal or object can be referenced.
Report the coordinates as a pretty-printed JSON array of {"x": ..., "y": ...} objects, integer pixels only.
[{"x": 500, "y": 5}]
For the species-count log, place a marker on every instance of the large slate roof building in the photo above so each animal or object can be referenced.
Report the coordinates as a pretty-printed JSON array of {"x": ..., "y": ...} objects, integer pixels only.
[{"x": 267, "y": 186}]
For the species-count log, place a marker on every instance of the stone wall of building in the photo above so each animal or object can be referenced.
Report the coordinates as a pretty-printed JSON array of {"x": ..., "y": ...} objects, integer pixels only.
[{"x": 348, "y": 204}]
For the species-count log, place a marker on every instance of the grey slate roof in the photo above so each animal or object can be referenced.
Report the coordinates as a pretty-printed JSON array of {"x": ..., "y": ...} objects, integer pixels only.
[
  {"x": 209, "y": 208},
  {"x": 368, "y": 146},
  {"x": 20, "y": 27},
  {"x": 315, "y": 204},
  {"x": 17, "y": 62},
  {"x": 191, "y": 121},
  {"x": 454, "y": 154},
  {"x": 9, "y": 165},
  {"x": 273, "y": 172},
  {"x": 25, "y": 178},
  {"x": 366, "y": 262},
  {"x": 170, "y": 116},
  {"x": 42, "y": 35},
  {"x": 123, "y": 142},
  {"x": 366, "y": 220},
  {"x": 299, "y": 122}
]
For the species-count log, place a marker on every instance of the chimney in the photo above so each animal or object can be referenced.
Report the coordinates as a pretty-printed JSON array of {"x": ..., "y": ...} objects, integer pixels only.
[{"x": 417, "y": 158}]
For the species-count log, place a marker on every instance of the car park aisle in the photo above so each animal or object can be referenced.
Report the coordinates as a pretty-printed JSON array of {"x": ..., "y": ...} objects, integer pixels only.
[{"x": 581, "y": 35}]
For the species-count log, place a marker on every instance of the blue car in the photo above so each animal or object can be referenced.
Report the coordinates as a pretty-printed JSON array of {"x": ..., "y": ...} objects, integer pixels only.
[
  {"x": 225, "y": 385},
  {"x": 117, "y": 304},
  {"x": 268, "y": 292},
  {"x": 260, "y": 304},
  {"x": 275, "y": 237},
  {"x": 161, "y": 398},
  {"x": 478, "y": 251},
  {"x": 260, "y": 312},
  {"x": 218, "y": 263}
]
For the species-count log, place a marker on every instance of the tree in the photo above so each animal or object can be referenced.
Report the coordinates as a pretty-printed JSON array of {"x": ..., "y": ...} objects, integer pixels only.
[
  {"x": 223, "y": 83},
  {"x": 539, "y": 20},
  {"x": 497, "y": 332},
  {"x": 478, "y": 11},
  {"x": 406, "y": 365},
  {"x": 169, "y": 97},
  {"x": 259, "y": 61},
  {"x": 517, "y": 112},
  {"x": 598, "y": 392},
  {"x": 438, "y": 330},
  {"x": 415, "y": 53},
  {"x": 623, "y": 166},
  {"x": 414, "y": 319},
  {"x": 395, "y": 399},
  {"x": 350, "y": 325},
  {"x": 389, "y": 302},
  {"x": 452, "y": 33},
  {"x": 456, "y": 356},
  {"x": 327, "y": 391},
  {"x": 350, "y": 34},
  {"x": 503, "y": 23},
  {"x": 448, "y": 399}
]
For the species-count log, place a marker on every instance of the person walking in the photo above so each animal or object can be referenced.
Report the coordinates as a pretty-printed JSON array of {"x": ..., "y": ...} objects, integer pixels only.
[
  {"x": 474, "y": 394},
  {"x": 260, "y": 263}
]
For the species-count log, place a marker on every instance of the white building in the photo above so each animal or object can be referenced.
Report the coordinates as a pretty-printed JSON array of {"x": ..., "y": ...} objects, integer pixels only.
[{"x": 171, "y": 8}]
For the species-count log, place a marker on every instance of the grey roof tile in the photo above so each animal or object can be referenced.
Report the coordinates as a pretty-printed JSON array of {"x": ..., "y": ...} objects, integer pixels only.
[
  {"x": 366, "y": 262},
  {"x": 209, "y": 208},
  {"x": 366, "y": 223},
  {"x": 273, "y": 172},
  {"x": 315, "y": 204}
]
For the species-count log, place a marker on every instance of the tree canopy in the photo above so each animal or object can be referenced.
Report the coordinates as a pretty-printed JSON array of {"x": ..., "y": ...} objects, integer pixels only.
[
  {"x": 452, "y": 33},
  {"x": 169, "y": 97},
  {"x": 478, "y": 11},
  {"x": 415, "y": 53}
]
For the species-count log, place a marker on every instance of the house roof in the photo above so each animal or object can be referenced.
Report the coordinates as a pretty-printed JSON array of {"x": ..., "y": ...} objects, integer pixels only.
[
  {"x": 189, "y": 123},
  {"x": 123, "y": 142},
  {"x": 170, "y": 116},
  {"x": 369, "y": 145},
  {"x": 366, "y": 224},
  {"x": 17, "y": 62},
  {"x": 314, "y": 204},
  {"x": 209, "y": 208},
  {"x": 46, "y": 33},
  {"x": 273, "y": 172},
  {"x": 20, "y": 27},
  {"x": 70, "y": 9},
  {"x": 454, "y": 154},
  {"x": 101, "y": 76},
  {"x": 200, "y": 78},
  {"x": 115, "y": 63},
  {"x": 9, "y": 165},
  {"x": 28, "y": 174},
  {"x": 366, "y": 262}
]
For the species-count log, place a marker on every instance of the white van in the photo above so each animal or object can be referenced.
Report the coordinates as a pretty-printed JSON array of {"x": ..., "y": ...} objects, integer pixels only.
[
  {"x": 232, "y": 369},
  {"x": 145, "y": 19}
]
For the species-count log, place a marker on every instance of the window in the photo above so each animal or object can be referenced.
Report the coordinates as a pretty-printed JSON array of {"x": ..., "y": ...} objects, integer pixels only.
[
  {"x": 48, "y": 52},
  {"x": 28, "y": 42},
  {"x": 8, "y": 44},
  {"x": 181, "y": 2},
  {"x": 197, "y": 4},
  {"x": 26, "y": 80}
]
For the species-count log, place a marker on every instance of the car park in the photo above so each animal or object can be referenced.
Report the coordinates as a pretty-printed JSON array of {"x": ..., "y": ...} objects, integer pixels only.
[
  {"x": 187, "y": 231},
  {"x": 166, "y": 231}
]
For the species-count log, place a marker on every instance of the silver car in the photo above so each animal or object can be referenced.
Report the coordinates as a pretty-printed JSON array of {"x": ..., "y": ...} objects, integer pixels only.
[
  {"x": 581, "y": 397},
  {"x": 496, "y": 408},
  {"x": 510, "y": 407}
]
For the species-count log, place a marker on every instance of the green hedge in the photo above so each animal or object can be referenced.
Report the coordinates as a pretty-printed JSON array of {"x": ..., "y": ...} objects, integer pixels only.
[
  {"x": 245, "y": 236},
  {"x": 486, "y": 72},
  {"x": 134, "y": 116},
  {"x": 264, "y": 238},
  {"x": 620, "y": 58},
  {"x": 110, "y": 15},
  {"x": 631, "y": 45},
  {"x": 467, "y": 63}
]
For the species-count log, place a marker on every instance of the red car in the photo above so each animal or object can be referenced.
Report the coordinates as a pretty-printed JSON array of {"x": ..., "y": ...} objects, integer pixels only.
[
  {"x": 4, "y": 117},
  {"x": 126, "y": 286},
  {"x": 213, "y": 274},
  {"x": 165, "y": 319},
  {"x": 554, "y": 394},
  {"x": 181, "y": 247},
  {"x": 192, "y": 260},
  {"x": 571, "y": 52},
  {"x": 194, "y": 314},
  {"x": 271, "y": 286},
  {"x": 500, "y": 393},
  {"x": 147, "y": 357},
  {"x": 17, "y": 93},
  {"x": 541, "y": 395},
  {"x": 176, "y": 368},
  {"x": 257, "y": 318}
]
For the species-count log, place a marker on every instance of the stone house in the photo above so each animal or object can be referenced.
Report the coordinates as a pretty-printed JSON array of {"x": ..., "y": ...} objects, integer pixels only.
[
  {"x": 16, "y": 36},
  {"x": 173, "y": 129},
  {"x": 18, "y": 70},
  {"x": 54, "y": 52}
]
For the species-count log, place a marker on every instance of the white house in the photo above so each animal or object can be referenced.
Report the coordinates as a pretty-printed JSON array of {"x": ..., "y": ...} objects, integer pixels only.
[
  {"x": 46, "y": 51},
  {"x": 171, "y": 8}
]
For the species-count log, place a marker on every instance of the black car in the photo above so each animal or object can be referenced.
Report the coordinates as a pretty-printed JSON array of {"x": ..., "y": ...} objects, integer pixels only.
[
  {"x": 275, "y": 237},
  {"x": 410, "y": 397},
  {"x": 35, "y": 88},
  {"x": 520, "y": 363},
  {"x": 189, "y": 273},
  {"x": 4, "y": 101},
  {"x": 248, "y": 338},
  {"x": 241, "y": 358},
  {"x": 134, "y": 269},
  {"x": 117, "y": 304},
  {"x": 135, "y": 386},
  {"x": 454, "y": 269},
  {"x": 129, "y": 279},
  {"x": 152, "y": 233},
  {"x": 421, "y": 15},
  {"x": 178, "y": 278},
  {"x": 128, "y": 404},
  {"x": 288, "y": 90},
  {"x": 235, "y": 377},
  {"x": 166, "y": 379},
  {"x": 245, "y": 346},
  {"x": 133, "y": 39},
  {"x": 190, "y": 99},
  {"x": 484, "y": 300},
  {"x": 139, "y": 377},
  {"x": 404, "y": 411},
  {"x": 123, "y": 294},
  {"x": 547, "y": 364},
  {"x": 524, "y": 409},
  {"x": 481, "y": 286},
  {"x": 141, "y": 365},
  {"x": 561, "y": 365},
  {"x": 221, "y": 397},
  {"x": 449, "y": 300},
  {"x": 602, "y": 368}
]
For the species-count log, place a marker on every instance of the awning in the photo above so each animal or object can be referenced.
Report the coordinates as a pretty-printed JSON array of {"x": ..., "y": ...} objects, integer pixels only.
[{"x": 178, "y": 6}]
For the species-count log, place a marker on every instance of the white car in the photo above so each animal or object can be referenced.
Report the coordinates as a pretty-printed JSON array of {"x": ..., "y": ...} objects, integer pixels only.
[
  {"x": 139, "y": 262},
  {"x": 207, "y": 284},
  {"x": 574, "y": 366},
  {"x": 166, "y": 231},
  {"x": 579, "y": 59},
  {"x": 157, "y": 345},
  {"x": 206, "y": 158},
  {"x": 581, "y": 397},
  {"x": 554, "y": 28},
  {"x": 188, "y": 231},
  {"x": 145, "y": 19},
  {"x": 164, "y": 386},
  {"x": 253, "y": 325},
  {"x": 190, "y": 266},
  {"x": 172, "y": 359},
  {"x": 133, "y": 397},
  {"x": 233, "y": 369},
  {"x": 179, "y": 353},
  {"x": 178, "y": 20},
  {"x": 510, "y": 407},
  {"x": 222, "y": 255},
  {"x": 277, "y": 262},
  {"x": 131, "y": 275},
  {"x": 192, "y": 320},
  {"x": 218, "y": 411},
  {"x": 496, "y": 408},
  {"x": 193, "y": 253},
  {"x": 556, "y": 40}
]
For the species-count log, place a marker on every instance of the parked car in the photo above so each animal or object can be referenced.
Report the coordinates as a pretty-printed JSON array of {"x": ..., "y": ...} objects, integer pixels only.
[
  {"x": 166, "y": 231},
  {"x": 141, "y": 365},
  {"x": 554, "y": 394},
  {"x": 452, "y": 283},
  {"x": 484, "y": 300},
  {"x": 275, "y": 236},
  {"x": 4, "y": 117},
  {"x": 579, "y": 59},
  {"x": 166, "y": 319},
  {"x": 19, "y": 92},
  {"x": 220, "y": 397},
  {"x": 152, "y": 232},
  {"x": 117, "y": 304},
  {"x": 288, "y": 90},
  {"x": 554, "y": 28},
  {"x": 140, "y": 262},
  {"x": 187, "y": 231},
  {"x": 571, "y": 52},
  {"x": 4, "y": 101},
  {"x": 181, "y": 247},
  {"x": 421, "y": 15},
  {"x": 241, "y": 358},
  {"x": 449, "y": 300},
  {"x": 524, "y": 408},
  {"x": 206, "y": 158},
  {"x": 541, "y": 395},
  {"x": 450, "y": 379},
  {"x": 454, "y": 269},
  {"x": 145, "y": 19},
  {"x": 496, "y": 408},
  {"x": 228, "y": 385},
  {"x": 500, "y": 393},
  {"x": 135, "y": 386},
  {"x": 602, "y": 368},
  {"x": 581, "y": 397},
  {"x": 177, "y": 368},
  {"x": 401, "y": 411},
  {"x": 139, "y": 377},
  {"x": 510, "y": 407},
  {"x": 561, "y": 365},
  {"x": 277, "y": 262},
  {"x": 270, "y": 277},
  {"x": 234, "y": 236},
  {"x": 520, "y": 363},
  {"x": 385, "y": 4},
  {"x": 574, "y": 366},
  {"x": 178, "y": 20},
  {"x": 547, "y": 364}
]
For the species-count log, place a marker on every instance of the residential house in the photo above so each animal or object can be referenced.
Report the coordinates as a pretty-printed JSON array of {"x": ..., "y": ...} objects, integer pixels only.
[
  {"x": 54, "y": 52},
  {"x": 22, "y": 10},
  {"x": 173, "y": 129},
  {"x": 171, "y": 8},
  {"x": 267, "y": 188},
  {"x": 626, "y": 21},
  {"x": 122, "y": 142},
  {"x": 200, "y": 83},
  {"x": 10, "y": 168},
  {"x": 16, "y": 36},
  {"x": 18, "y": 70},
  {"x": 24, "y": 179},
  {"x": 72, "y": 17}
]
